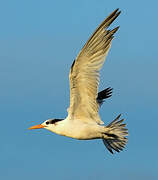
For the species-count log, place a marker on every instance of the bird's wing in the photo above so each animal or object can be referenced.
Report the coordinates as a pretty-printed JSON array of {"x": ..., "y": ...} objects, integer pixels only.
[
  {"x": 102, "y": 95},
  {"x": 84, "y": 73}
]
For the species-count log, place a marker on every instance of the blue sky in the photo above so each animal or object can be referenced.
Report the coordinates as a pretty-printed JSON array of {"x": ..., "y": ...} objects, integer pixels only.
[{"x": 38, "y": 42}]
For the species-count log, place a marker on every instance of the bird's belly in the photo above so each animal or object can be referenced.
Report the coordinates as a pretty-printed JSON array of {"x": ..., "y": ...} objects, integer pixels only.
[{"x": 82, "y": 131}]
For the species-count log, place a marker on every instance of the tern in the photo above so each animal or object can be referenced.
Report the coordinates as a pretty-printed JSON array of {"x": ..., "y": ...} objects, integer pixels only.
[{"x": 83, "y": 121}]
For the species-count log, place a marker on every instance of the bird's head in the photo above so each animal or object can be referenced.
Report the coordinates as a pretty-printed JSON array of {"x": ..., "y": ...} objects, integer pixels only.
[{"x": 49, "y": 124}]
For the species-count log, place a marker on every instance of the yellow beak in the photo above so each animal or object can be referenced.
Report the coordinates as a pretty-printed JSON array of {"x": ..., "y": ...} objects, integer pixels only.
[{"x": 37, "y": 126}]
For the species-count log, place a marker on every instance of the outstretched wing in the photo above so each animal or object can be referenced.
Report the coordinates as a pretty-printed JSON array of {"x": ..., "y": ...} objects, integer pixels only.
[{"x": 84, "y": 73}]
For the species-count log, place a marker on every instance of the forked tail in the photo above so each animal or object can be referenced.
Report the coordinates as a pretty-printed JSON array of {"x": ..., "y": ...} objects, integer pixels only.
[{"x": 115, "y": 137}]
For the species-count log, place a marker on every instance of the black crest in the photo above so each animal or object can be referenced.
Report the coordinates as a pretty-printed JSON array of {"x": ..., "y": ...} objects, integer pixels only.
[{"x": 53, "y": 121}]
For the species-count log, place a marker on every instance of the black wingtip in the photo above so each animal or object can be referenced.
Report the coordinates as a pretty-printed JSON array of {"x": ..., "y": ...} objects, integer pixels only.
[
  {"x": 118, "y": 117},
  {"x": 106, "y": 93},
  {"x": 117, "y": 10}
]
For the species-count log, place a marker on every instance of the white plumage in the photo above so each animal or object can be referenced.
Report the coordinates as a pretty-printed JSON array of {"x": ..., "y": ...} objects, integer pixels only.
[{"x": 83, "y": 121}]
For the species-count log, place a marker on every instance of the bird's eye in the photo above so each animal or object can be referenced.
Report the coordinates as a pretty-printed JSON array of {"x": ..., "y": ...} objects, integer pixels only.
[{"x": 47, "y": 122}]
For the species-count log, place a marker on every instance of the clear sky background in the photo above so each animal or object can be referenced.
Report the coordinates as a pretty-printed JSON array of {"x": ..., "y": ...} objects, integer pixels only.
[{"x": 38, "y": 42}]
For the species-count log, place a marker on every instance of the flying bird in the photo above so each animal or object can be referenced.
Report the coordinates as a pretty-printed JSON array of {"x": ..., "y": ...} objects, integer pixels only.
[{"x": 83, "y": 121}]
